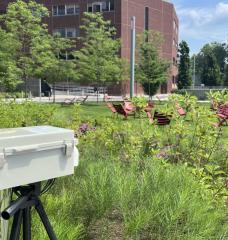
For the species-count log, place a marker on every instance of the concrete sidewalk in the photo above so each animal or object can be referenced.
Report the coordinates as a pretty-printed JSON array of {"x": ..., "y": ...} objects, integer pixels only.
[{"x": 91, "y": 98}]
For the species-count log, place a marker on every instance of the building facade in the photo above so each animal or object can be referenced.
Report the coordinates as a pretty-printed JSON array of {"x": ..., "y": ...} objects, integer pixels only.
[{"x": 159, "y": 15}]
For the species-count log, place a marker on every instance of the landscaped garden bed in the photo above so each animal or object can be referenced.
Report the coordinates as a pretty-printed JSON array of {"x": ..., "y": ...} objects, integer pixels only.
[{"x": 136, "y": 180}]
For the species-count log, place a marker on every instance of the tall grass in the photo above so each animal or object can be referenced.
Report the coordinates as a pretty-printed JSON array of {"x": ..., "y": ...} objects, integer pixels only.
[{"x": 160, "y": 201}]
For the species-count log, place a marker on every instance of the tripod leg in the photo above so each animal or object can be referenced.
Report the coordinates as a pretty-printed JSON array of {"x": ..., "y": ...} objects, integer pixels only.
[
  {"x": 27, "y": 223},
  {"x": 45, "y": 221},
  {"x": 16, "y": 227}
]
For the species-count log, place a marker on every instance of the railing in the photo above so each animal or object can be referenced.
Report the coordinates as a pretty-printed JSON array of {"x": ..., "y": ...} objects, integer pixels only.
[
  {"x": 206, "y": 88},
  {"x": 77, "y": 91},
  {"x": 201, "y": 91}
]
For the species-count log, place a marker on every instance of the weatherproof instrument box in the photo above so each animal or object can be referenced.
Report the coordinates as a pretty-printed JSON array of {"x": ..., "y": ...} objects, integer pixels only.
[{"x": 34, "y": 154}]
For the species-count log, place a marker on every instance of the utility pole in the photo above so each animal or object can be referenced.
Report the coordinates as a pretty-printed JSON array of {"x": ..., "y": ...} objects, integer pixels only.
[
  {"x": 132, "y": 81},
  {"x": 194, "y": 71}
]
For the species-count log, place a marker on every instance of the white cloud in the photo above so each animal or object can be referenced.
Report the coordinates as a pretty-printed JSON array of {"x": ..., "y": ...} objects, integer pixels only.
[
  {"x": 202, "y": 16},
  {"x": 204, "y": 24},
  {"x": 222, "y": 9}
]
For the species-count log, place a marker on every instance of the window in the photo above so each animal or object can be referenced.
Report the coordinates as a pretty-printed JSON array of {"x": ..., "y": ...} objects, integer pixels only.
[
  {"x": 97, "y": 7},
  {"x": 146, "y": 18},
  {"x": 102, "y": 6},
  {"x": 67, "y": 32},
  {"x": 55, "y": 11},
  {"x": 61, "y": 32},
  {"x": 70, "y": 9},
  {"x": 72, "y": 32},
  {"x": 62, "y": 10},
  {"x": 90, "y": 7},
  {"x": 111, "y": 5},
  {"x": 105, "y": 6},
  {"x": 77, "y": 10}
]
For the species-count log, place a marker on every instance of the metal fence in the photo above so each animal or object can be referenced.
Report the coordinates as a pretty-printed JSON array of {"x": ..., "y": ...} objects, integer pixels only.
[
  {"x": 64, "y": 89},
  {"x": 201, "y": 91}
]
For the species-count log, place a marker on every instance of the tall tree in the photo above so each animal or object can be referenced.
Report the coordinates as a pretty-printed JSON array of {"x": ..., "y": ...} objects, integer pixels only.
[
  {"x": 184, "y": 76},
  {"x": 211, "y": 74},
  {"x": 23, "y": 20},
  {"x": 151, "y": 69},
  {"x": 226, "y": 76},
  {"x": 220, "y": 51},
  {"x": 98, "y": 60},
  {"x": 8, "y": 70},
  {"x": 211, "y": 63},
  {"x": 35, "y": 52}
]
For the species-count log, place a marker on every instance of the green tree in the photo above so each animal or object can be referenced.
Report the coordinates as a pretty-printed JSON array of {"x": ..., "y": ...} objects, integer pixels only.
[
  {"x": 211, "y": 74},
  {"x": 226, "y": 76},
  {"x": 184, "y": 75},
  {"x": 221, "y": 53},
  {"x": 8, "y": 70},
  {"x": 98, "y": 60},
  {"x": 151, "y": 69},
  {"x": 36, "y": 52},
  {"x": 23, "y": 20},
  {"x": 214, "y": 55}
]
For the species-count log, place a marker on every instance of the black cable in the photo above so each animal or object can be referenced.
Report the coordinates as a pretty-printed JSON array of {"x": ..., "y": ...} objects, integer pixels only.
[{"x": 48, "y": 186}]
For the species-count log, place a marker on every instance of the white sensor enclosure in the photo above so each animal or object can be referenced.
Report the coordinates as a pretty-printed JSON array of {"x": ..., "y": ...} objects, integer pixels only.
[{"x": 34, "y": 154}]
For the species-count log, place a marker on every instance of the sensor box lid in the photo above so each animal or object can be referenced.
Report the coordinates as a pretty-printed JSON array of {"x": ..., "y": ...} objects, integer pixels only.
[{"x": 34, "y": 154}]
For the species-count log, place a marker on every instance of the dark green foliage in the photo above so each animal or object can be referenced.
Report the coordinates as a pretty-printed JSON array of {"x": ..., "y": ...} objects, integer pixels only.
[
  {"x": 211, "y": 75},
  {"x": 151, "y": 69},
  {"x": 184, "y": 76},
  {"x": 211, "y": 64},
  {"x": 221, "y": 53},
  {"x": 226, "y": 76}
]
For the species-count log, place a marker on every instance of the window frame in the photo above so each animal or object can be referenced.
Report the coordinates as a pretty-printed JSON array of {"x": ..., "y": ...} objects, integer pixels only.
[
  {"x": 90, "y": 6},
  {"x": 69, "y": 6},
  {"x": 57, "y": 30},
  {"x": 75, "y": 32},
  {"x": 75, "y": 7}
]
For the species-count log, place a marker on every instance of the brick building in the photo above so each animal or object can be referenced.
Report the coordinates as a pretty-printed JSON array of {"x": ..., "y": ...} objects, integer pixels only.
[{"x": 160, "y": 15}]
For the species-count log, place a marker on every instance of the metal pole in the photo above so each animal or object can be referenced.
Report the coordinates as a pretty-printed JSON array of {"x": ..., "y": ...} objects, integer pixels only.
[
  {"x": 132, "y": 81},
  {"x": 194, "y": 71}
]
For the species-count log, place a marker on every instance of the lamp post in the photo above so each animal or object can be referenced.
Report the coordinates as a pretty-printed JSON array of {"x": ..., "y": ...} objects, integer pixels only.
[
  {"x": 194, "y": 71},
  {"x": 132, "y": 81}
]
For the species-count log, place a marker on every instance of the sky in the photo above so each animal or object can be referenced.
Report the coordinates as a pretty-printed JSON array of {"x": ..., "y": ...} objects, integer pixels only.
[{"x": 202, "y": 21}]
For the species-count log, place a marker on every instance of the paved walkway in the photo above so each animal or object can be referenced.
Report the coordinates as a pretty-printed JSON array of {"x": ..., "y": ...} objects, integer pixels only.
[{"x": 92, "y": 98}]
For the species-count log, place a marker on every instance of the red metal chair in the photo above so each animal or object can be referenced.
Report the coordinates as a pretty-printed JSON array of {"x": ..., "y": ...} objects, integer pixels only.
[
  {"x": 111, "y": 107},
  {"x": 180, "y": 110},
  {"x": 222, "y": 114},
  {"x": 162, "y": 119},
  {"x": 120, "y": 109}
]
